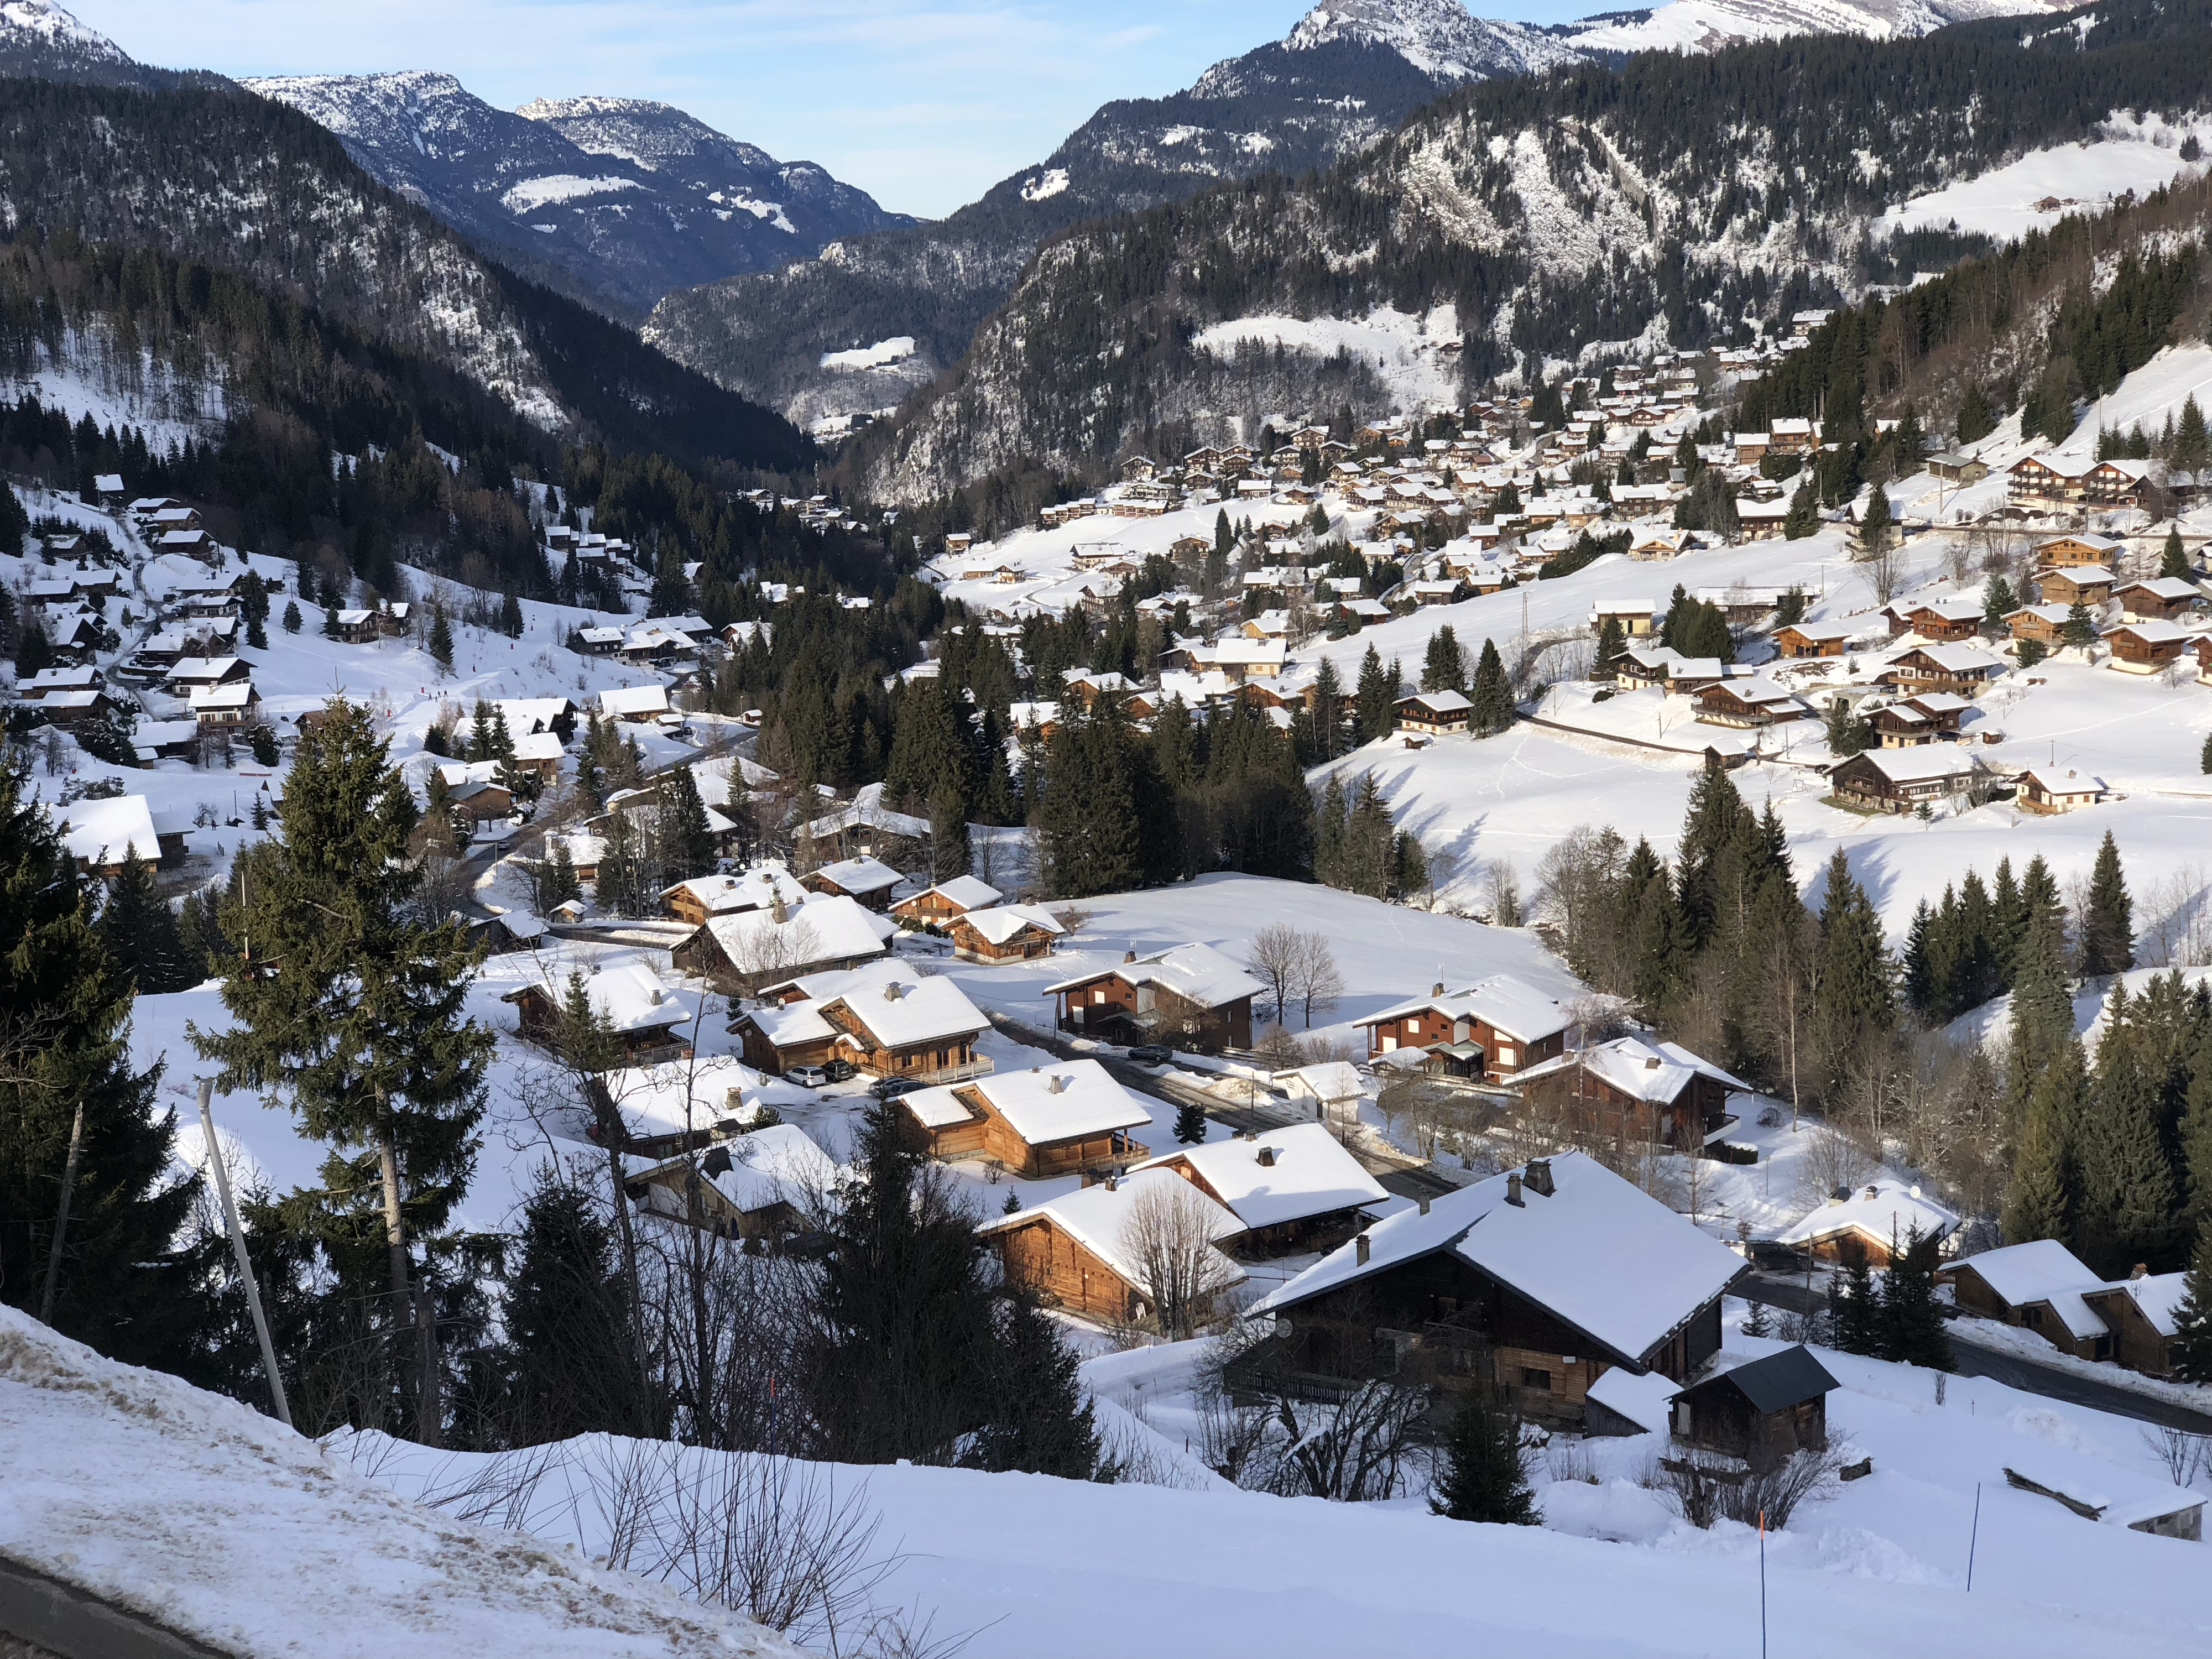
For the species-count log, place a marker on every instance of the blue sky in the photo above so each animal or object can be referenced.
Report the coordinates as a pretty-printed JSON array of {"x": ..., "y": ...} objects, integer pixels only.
[{"x": 923, "y": 103}]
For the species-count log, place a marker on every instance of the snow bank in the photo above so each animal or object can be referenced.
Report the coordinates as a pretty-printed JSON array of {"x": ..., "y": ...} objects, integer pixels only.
[
  {"x": 882, "y": 354},
  {"x": 555, "y": 187},
  {"x": 191, "y": 1509}
]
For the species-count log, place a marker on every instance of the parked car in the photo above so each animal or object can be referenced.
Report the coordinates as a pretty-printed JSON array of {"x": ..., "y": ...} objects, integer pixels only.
[
  {"x": 891, "y": 1088},
  {"x": 839, "y": 1071},
  {"x": 1150, "y": 1053},
  {"x": 807, "y": 1076}
]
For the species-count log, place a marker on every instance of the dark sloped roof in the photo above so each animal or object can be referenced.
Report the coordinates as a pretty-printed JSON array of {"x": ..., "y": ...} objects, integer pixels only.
[{"x": 1775, "y": 1383}]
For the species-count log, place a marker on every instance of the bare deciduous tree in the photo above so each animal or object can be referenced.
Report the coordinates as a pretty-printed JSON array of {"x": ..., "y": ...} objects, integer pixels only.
[
  {"x": 1168, "y": 1238},
  {"x": 1274, "y": 960},
  {"x": 1319, "y": 982}
]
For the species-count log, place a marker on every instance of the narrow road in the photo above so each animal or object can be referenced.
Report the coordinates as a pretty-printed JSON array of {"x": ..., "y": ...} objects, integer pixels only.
[{"x": 2002, "y": 1366}]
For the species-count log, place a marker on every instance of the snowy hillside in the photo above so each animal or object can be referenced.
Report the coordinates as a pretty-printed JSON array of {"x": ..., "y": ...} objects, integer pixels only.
[
  {"x": 1709, "y": 25},
  {"x": 214, "y": 1524},
  {"x": 621, "y": 200},
  {"x": 1203, "y": 1572}
]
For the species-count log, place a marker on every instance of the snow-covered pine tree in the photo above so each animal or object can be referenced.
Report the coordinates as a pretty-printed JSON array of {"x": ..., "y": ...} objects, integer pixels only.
[{"x": 1482, "y": 1478}]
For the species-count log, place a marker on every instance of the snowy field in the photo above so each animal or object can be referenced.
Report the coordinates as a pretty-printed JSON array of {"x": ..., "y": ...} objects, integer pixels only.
[
  {"x": 1197, "y": 1568},
  {"x": 2078, "y": 178},
  {"x": 1404, "y": 350}
]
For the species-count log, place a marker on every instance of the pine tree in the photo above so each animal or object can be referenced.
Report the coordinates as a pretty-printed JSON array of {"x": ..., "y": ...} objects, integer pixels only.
[
  {"x": 687, "y": 838},
  {"x": 1857, "y": 999},
  {"x": 2079, "y": 628},
  {"x": 949, "y": 854},
  {"x": 1612, "y": 645},
  {"x": 442, "y": 640},
  {"x": 121, "y": 1283},
  {"x": 1376, "y": 698},
  {"x": 2192, "y": 450},
  {"x": 510, "y": 616},
  {"x": 2130, "y": 1200},
  {"x": 570, "y": 1359},
  {"x": 140, "y": 931},
  {"x": 1911, "y": 1327},
  {"x": 2191, "y": 1347},
  {"x": 2041, "y": 1200},
  {"x": 1041, "y": 1417},
  {"x": 1490, "y": 695},
  {"x": 1482, "y": 1478},
  {"x": 2205, "y": 756},
  {"x": 1190, "y": 1124},
  {"x": 2108, "y": 937},
  {"x": 330, "y": 617},
  {"x": 262, "y": 742},
  {"x": 2173, "y": 558},
  {"x": 1331, "y": 825},
  {"x": 1876, "y": 522},
  {"x": 1803, "y": 518},
  {"x": 1444, "y": 669},
  {"x": 1998, "y": 600},
  {"x": 352, "y": 1009},
  {"x": 1976, "y": 421},
  {"x": 557, "y": 877}
]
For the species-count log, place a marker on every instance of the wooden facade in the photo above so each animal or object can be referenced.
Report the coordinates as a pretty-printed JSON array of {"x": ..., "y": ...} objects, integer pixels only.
[
  {"x": 1762, "y": 1412},
  {"x": 538, "y": 1014},
  {"x": 1029, "y": 943},
  {"x": 2090, "y": 585},
  {"x": 2143, "y": 650},
  {"x": 1041, "y": 1254},
  {"x": 1600, "y": 1111},
  {"x": 1112, "y": 1007},
  {"x": 1861, "y": 780},
  {"x": 1973, "y": 1292},
  {"x": 1502, "y": 1054},
  {"x": 985, "y": 1134},
  {"x": 2136, "y": 1342},
  {"x": 1792, "y": 640}
]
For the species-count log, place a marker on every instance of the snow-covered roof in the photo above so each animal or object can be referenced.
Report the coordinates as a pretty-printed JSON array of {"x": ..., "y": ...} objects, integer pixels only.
[
  {"x": 778, "y": 1164},
  {"x": 900, "y": 1008},
  {"x": 1918, "y": 765},
  {"x": 527, "y": 714},
  {"x": 1501, "y": 1002},
  {"x": 630, "y": 997},
  {"x": 1046, "y": 1104},
  {"x": 785, "y": 1023},
  {"x": 2165, "y": 587},
  {"x": 999, "y": 922},
  {"x": 238, "y": 694},
  {"x": 2052, "y": 782},
  {"x": 538, "y": 746},
  {"x": 1646, "y": 1400},
  {"x": 1656, "y": 1072},
  {"x": 1599, "y": 1255},
  {"x": 1881, "y": 1210},
  {"x": 1199, "y": 974},
  {"x": 103, "y": 832},
  {"x": 860, "y": 875},
  {"x": 617, "y": 701},
  {"x": 2154, "y": 632},
  {"x": 756, "y": 889},
  {"x": 2158, "y": 1296},
  {"x": 1097, "y": 1218},
  {"x": 1952, "y": 659},
  {"x": 1441, "y": 702},
  {"x": 677, "y": 1096},
  {"x": 2042, "y": 1270},
  {"x": 1330, "y": 1080},
  {"x": 1280, "y": 1174},
  {"x": 966, "y": 892},
  {"x": 828, "y": 927}
]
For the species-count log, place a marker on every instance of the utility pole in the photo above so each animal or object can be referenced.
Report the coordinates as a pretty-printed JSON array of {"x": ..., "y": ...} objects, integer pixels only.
[{"x": 238, "y": 1249}]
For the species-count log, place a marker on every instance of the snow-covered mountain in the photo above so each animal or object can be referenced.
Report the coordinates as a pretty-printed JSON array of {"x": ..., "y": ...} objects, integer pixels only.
[
  {"x": 801, "y": 337},
  {"x": 615, "y": 200},
  {"x": 1709, "y": 25},
  {"x": 38, "y": 38}
]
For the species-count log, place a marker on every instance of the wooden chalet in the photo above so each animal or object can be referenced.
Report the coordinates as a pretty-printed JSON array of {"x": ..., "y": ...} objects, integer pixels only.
[
  {"x": 1075, "y": 1250},
  {"x": 2058, "y": 552},
  {"x": 1004, "y": 932},
  {"x": 1902, "y": 779},
  {"x": 1534, "y": 1283},
  {"x": 1912, "y": 721},
  {"x": 1060, "y": 1119},
  {"x": 2147, "y": 648},
  {"x": 1748, "y": 704},
  {"x": 762, "y": 1184},
  {"x": 1869, "y": 1222},
  {"x": 2047, "y": 790},
  {"x": 644, "y": 1018},
  {"x": 71, "y": 708},
  {"x": 2037, "y": 1286},
  {"x": 102, "y": 836},
  {"x": 1954, "y": 468},
  {"x": 1436, "y": 714},
  {"x": 1812, "y": 639},
  {"x": 2141, "y": 1313},
  {"x": 760, "y": 887},
  {"x": 2203, "y": 647},
  {"x": 1634, "y": 1093},
  {"x": 864, "y": 880},
  {"x": 2043, "y": 624},
  {"x": 1946, "y": 619},
  {"x": 1293, "y": 1189},
  {"x": 1493, "y": 1029},
  {"x": 1189, "y": 992},
  {"x": 1635, "y": 620},
  {"x": 2037, "y": 480},
  {"x": 1762, "y": 1412},
  {"x": 737, "y": 954},
  {"x": 2158, "y": 599},
  {"x": 234, "y": 704},
  {"x": 948, "y": 899},
  {"x": 1964, "y": 668},
  {"x": 884, "y": 1018},
  {"x": 2078, "y": 584}
]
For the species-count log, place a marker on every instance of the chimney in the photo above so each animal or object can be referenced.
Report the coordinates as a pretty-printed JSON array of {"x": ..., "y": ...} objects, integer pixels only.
[
  {"x": 1513, "y": 1190},
  {"x": 1112, "y": 1182},
  {"x": 2140, "y": 1270},
  {"x": 1128, "y": 956},
  {"x": 1424, "y": 1203},
  {"x": 1539, "y": 1177},
  {"x": 1362, "y": 1248},
  {"x": 894, "y": 991},
  {"x": 1267, "y": 1157},
  {"x": 1437, "y": 989},
  {"x": 1055, "y": 1084},
  {"x": 777, "y": 912},
  {"x": 1651, "y": 1064},
  {"x": 655, "y": 996}
]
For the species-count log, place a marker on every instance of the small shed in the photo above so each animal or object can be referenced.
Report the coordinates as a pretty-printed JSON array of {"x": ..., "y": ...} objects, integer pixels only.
[{"x": 1761, "y": 1412}]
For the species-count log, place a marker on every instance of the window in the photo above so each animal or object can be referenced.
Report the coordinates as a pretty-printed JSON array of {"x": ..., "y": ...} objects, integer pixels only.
[
  {"x": 1533, "y": 1378},
  {"x": 1098, "y": 996},
  {"x": 2031, "y": 1317}
]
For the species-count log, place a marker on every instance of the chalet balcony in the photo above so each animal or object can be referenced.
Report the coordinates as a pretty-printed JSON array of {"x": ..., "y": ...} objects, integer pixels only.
[{"x": 981, "y": 1066}]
